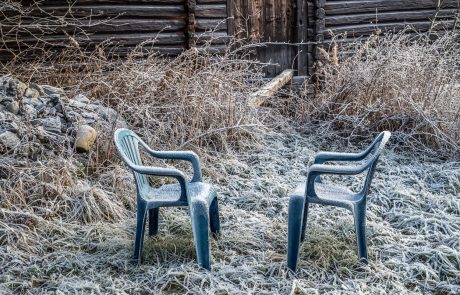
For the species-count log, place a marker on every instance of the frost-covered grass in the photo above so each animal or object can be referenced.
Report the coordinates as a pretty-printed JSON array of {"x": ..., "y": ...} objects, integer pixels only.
[{"x": 413, "y": 235}]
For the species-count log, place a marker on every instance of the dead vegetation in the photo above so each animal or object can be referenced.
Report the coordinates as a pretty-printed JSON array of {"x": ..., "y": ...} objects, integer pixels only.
[
  {"x": 67, "y": 226},
  {"x": 400, "y": 82}
]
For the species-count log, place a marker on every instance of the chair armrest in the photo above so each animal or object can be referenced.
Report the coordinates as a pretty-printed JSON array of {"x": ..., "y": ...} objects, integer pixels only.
[
  {"x": 184, "y": 156},
  {"x": 178, "y": 155},
  {"x": 319, "y": 169},
  {"x": 165, "y": 172},
  {"x": 323, "y": 157}
]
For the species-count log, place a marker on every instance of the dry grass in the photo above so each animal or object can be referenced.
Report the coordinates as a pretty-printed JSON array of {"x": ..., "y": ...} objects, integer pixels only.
[
  {"x": 407, "y": 84},
  {"x": 67, "y": 224},
  {"x": 413, "y": 230}
]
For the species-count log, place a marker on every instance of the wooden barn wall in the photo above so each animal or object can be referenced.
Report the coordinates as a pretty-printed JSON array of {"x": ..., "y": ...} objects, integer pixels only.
[
  {"x": 281, "y": 25},
  {"x": 356, "y": 19},
  {"x": 174, "y": 24},
  {"x": 291, "y": 29}
]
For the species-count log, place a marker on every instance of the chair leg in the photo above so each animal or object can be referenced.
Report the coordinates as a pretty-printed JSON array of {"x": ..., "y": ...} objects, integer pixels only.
[
  {"x": 360, "y": 226},
  {"x": 214, "y": 217},
  {"x": 304, "y": 221},
  {"x": 295, "y": 218},
  {"x": 200, "y": 227},
  {"x": 141, "y": 212},
  {"x": 153, "y": 221}
]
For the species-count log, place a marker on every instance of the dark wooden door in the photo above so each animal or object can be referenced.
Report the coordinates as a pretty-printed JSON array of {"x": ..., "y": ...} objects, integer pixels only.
[{"x": 281, "y": 26}]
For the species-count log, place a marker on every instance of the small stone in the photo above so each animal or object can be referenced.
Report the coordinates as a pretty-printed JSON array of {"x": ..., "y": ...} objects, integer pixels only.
[
  {"x": 59, "y": 108},
  {"x": 74, "y": 117},
  {"x": 52, "y": 111},
  {"x": 40, "y": 133},
  {"x": 90, "y": 116},
  {"x": 108, "y": 114},
  {"x": 16, "y": 87},
  {"x": 86, "y": 136},
  {"x": 54, "y": 98},
  {"x": 77, "y": 104},
  {"x": 52, "y": 124},
  {"x": 5, "y": 99},
  {"x": 81, "y": 98},
  {"x": 9, "y": 140},
  {"x": 35, "y": 101},
  {"x": 32, "y": 93},
  {"x": 38, "y": 88},
  {"x": 13, "y": 107},
  {"x": 30, "y": 111},
  {"x": 49, "y": 90},
  {"x": 40, "y": 108}
]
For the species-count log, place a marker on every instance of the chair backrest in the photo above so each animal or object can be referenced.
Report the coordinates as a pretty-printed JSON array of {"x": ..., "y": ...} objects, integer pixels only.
[
  {"x": 373, "y": 152},
  {"x": 127, "y": 143}
]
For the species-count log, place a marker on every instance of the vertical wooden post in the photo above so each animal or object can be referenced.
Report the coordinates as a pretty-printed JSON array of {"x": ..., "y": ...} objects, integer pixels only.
[
  {"x": 302, "y": 37},
  {"x": 230, "y": 18},
  {"x": 319, "y": 25},
  {"x": 190, "y": 30}
]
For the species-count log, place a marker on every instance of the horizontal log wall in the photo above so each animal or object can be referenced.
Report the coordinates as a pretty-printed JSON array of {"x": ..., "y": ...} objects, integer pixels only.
[
  {"x": 171, "y": 25},
  {"x": 353, "y": 20},
  {"x": 211, "y": 23}
]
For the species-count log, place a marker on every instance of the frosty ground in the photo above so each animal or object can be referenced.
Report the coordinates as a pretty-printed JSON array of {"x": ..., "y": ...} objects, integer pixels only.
[{"x": 413, "y": 228}]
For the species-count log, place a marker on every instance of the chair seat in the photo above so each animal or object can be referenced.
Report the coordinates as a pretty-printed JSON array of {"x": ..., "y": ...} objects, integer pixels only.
[
  {"x": 169, "y": 194},
  {"x": 328, "y": 191}
]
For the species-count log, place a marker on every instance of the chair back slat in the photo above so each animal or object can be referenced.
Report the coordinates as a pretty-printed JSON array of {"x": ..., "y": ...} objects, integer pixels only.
[
  {"x": 374, "y": 151},
  {"x": 127, "y": 145}
]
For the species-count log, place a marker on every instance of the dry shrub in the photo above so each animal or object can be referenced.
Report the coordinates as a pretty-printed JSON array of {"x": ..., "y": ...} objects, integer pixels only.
[
  {"x": 409, "y": 85},
  {"x": 196, "y": 99}
]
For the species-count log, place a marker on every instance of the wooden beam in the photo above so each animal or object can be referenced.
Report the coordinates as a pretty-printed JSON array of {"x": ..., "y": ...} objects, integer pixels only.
[{"x": 259, "y": 97}]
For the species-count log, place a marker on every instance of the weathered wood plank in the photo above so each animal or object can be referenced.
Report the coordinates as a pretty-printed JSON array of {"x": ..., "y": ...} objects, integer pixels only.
[
  {"x": 368, "y": 29},
  {"x": 271, "y": 88},
  {"x": 363, "y": 6},
  {"x": 393, "y": 16},
  {"x": 211, "y": 1},
  {"x": 211, "y": 10},
  {"x": 121, "y": 39},
  {"x": 107, "y": 11},
  {"x": 115, "y": 26},
  {"x": 213, "y": 37},
  {"x": 211, "y": 24},
  {"x": 100, "y": 2}
]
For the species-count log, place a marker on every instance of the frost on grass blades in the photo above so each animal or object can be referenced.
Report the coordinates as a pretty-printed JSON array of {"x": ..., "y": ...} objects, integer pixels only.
[
  {"x": 402, "y": 82},
  {"x": 67, "y": 220}
]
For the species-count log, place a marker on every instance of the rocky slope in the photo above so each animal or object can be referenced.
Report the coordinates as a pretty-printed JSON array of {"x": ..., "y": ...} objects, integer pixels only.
[{"x": 37, "y": 120}]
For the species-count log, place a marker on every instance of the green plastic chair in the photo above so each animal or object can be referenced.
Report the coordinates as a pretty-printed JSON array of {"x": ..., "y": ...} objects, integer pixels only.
[
  {"x": 200, "y": 197},
  {"x": 315, "y": 191}
]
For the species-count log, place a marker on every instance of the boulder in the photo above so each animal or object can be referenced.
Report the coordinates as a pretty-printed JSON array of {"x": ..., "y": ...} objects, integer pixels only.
[
  {"x": 86, "y": 137},
  {"x": 9, "y": 140},
  {"x": 32, "y": 93},
  {"x": 81, "y": 98},
  {"x": 13, "y": 107}
]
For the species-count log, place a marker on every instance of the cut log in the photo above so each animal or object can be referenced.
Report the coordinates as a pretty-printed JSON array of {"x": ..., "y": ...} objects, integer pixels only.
[{"x": 259, "y": 97}]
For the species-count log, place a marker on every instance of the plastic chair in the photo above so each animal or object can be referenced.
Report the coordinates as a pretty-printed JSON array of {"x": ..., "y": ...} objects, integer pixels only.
[
  {"x": 315, "y": 191},
  {"x": 200, "y": 197}
]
